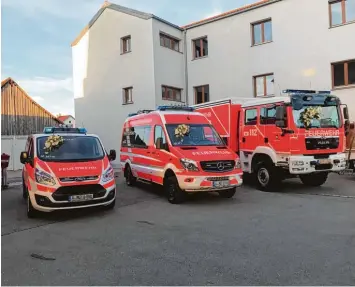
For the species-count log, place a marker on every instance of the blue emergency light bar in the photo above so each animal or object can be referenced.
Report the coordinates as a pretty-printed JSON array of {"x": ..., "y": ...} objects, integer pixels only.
[
  {"x": 175, "y": 108},
  {"x": 306, "y": 92},
  {"x": 52, "y": 130}
]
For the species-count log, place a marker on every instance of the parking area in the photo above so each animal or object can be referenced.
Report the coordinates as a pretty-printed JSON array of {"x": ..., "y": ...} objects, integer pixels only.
[{"x": 295, "y": 236}]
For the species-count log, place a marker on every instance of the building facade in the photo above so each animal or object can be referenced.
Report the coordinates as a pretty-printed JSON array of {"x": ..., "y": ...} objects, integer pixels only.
[
  {"x": 67, "y": 120},
  {"x": 254, "y": 51}
]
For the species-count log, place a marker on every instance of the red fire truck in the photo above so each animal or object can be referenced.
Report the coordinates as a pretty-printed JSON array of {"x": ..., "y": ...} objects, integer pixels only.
[{"x": 300, "y": 133}]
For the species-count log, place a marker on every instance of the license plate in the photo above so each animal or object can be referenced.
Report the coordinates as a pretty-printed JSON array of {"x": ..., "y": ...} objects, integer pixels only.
[
  {"x": 221, "y": 183},
  {"x": 81, "y": 197},
  {"x": 324, "y": 161}
]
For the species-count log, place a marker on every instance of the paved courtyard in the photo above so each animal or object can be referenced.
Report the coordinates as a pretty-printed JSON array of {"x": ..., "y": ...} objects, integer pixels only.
[{"x": 297, "y": 236}]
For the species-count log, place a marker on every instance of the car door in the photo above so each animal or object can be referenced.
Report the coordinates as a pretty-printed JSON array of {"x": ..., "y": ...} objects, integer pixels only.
[
  {"x": 249, "y": 132},
  {"x": 161, "y": 156}
]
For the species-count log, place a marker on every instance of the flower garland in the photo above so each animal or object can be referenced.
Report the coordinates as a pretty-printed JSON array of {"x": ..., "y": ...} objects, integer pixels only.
[
  {"x": 309, "y": 114},
  {"x": 181, "y": 131},
  {"x": 53, "y": 142}
]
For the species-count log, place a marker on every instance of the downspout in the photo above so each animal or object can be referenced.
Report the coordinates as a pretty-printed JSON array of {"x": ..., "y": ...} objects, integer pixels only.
[{"x": 186, "y": 71}]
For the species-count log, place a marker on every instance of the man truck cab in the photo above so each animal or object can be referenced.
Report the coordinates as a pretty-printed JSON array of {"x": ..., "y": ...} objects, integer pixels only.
[
  {"x": 179, "y": 149},
  {"x": 66, "y": 168},
  {"x": 299, "y": 134}
]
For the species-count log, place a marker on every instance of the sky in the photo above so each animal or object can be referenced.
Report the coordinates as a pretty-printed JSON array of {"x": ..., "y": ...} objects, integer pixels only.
[{"x": 36, "y": 37}]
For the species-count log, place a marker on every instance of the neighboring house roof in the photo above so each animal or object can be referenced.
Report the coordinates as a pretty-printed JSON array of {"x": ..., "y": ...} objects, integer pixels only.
[
  {"x": 147, "y": 16},
  {"x": 230, "y": 13},
  {"x": 119, "y": 8},
  {"x": 64, "y": 118},
  {"x": 9, "y": 80}
]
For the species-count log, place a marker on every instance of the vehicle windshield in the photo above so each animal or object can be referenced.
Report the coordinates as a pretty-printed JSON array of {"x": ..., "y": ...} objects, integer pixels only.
[
  {"x": 193, "y": 135},
  {"x": 69, "y": 148},
  {"x": 317, "y": 117}
]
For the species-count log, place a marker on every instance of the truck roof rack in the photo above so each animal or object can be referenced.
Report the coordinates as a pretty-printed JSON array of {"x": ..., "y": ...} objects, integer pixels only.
[{"x": 291, "y": 91}]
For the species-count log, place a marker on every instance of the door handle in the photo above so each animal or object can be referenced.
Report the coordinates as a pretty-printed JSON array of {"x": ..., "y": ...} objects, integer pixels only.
[
  {"x": 266, "y": 140},
  {"x": 148, "y": 151},
  {"x": 243, "y": 140}
]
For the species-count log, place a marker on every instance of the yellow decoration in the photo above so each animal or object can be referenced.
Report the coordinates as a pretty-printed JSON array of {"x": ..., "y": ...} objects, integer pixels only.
[
  {"x": 182, "y": 130},
  {"x": 53, "y": 142},
  {"x": 309, "y": 114}
]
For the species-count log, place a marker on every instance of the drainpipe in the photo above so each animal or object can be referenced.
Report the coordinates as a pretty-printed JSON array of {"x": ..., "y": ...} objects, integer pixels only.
[{"x": 186, "y": 71}]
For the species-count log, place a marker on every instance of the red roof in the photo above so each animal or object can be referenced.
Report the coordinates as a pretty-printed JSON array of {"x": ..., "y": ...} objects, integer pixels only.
[
  {"x": 228, "y": 13},
  {"x": 63, "y": 118}
]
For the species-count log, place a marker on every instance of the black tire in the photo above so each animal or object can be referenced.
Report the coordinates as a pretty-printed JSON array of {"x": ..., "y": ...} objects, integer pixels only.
[
  {"x": 229, "y": 193},
  {"x": 111, "y": 205},
  {"x": 24, "y": 189},
  {"x": 173, "y": 191},
  {"x": 267, "y": 178},
  {"x": 130, "y": 179},
  {"x": 31, "y": 212},
  {"x": 314, "y": 179}
]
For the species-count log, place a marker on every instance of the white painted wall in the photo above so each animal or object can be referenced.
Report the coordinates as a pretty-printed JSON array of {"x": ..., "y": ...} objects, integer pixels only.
[
  {"x": 13, "y": 146},
  {"x": 300, "y": 55},
  {"x": 100, "y": 110}
]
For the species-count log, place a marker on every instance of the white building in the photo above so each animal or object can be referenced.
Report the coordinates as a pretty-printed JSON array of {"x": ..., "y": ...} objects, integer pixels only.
[{"x": 126, "y": 60}]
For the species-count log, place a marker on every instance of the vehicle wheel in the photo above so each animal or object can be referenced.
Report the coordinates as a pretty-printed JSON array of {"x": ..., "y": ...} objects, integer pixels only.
[
  {"x": 24, "y": 190},
  {"x": 173, "y": 191},
  {"x": 229, "y": 193},
  {"x": 31, "y": 212},
  {"x": 130, "y": 179},
  {"x": 266, "y": 177},
  {"x": 111, "y": 205},
  {"x": 314, "y": 179}
]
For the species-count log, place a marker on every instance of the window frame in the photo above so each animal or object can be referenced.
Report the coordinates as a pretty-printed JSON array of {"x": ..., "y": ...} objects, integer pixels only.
[
  {"x": 171, "y": 39},
  {"x": 129, "y": 89},
  {"x": 265, "y": 85},
  {"x": 201, "y": 47},
  {"x": 346, "y": 74},
  {"x": 123, "y": 44},
  {"x": 245, "y": 116},
  {"x": 343, "y": 13},
  {"x": 144, "y": 127},
  {"x": 174, "y": 90},
  {"x": 266, "y": 108},
  {"x": 203, "y": 93},
  {"x": 262, "y": 23},
  {"x": 162, "y": 129}
]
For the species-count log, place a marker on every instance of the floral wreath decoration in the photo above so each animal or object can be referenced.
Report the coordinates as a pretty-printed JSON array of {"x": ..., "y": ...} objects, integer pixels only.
[
  {"x": 309, "y": 114},
  {"x": 53, "y": 142},
  {"x": 181, "y": 131}
]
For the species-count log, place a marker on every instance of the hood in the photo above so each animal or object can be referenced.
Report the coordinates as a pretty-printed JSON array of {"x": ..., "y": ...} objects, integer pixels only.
[
  {"x": 68, "y": 169},
  {"x": 206, "y": 153}
]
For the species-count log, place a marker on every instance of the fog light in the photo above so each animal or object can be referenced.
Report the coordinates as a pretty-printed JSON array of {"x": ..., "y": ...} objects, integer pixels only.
[
  {"x": 297, "y": 163},
  {"x": 189, "y": 179}
]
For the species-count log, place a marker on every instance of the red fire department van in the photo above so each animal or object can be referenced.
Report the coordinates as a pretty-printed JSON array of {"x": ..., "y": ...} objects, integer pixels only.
[
  {"x": 66, "y": 168},
  {"x": 298, "y": 134},
  {"x": 179, "y": 149}
]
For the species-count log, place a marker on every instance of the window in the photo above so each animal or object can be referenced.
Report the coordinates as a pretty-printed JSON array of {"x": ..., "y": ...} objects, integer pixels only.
[
  {"x": 127, "y": 96},
  {"x": 169, "y": 42},
  {"x": 251, "y": 117},
  {"x": 268, "y": 116},
  {"x": 341, "y": 12},
  {"x": 200, "y": 47},
  {"x": 171, "y": 94},
  {"x": 159, "y": 133},
  {"x": 202, "y": 94},
  {"x": 137, "y": 137},
  {"x": 126, "y": 44},
  {"x": 343, "y": 73},
  {"x": 264, "y": 85},
  {"x": 262, "y": 32}
]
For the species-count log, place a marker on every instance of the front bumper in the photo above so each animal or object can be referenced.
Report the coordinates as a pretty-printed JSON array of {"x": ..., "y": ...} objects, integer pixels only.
[
  {"x": 47, "y": 201},
  {"x": 192, "y": 183},
  {"x": 304, "y": 164}
]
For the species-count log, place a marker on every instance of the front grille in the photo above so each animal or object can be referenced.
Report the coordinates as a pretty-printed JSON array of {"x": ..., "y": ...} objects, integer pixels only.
[
  {"x": 63, "y": 192},
  {"x": 323, "y": 166},
  {"x": 322, "y": 143},
  {"x": 218, "y": 166},
  {"x": 78, "y": 178}
]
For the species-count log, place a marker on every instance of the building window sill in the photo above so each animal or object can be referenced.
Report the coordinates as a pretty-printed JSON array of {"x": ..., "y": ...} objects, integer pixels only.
[
  {"x": 204, "y": 57},
  {"x": 344, "y": 87},
  {"x": 124, "y": 53},
  {"x": 171, "y": 49},
  {"x": 128, "y": 103},
  {"x": 342, "y": 24},
  {"x": 260, "y": 44}
]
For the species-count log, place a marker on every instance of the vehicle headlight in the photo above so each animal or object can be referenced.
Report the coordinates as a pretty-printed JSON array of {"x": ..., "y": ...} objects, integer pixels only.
[
  {"x": 189, "y": 164},
  {"x": 108, "y": 175},
  {"x": 238, "y": 164},
  {"x": 44, "y": 178}
]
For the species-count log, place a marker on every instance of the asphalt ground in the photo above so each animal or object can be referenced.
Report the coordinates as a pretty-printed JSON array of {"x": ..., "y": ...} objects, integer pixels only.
[{"x": 293, "y": 236}]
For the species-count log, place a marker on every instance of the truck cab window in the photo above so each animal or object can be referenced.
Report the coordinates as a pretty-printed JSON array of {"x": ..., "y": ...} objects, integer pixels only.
[
  {"x": 251, "y": 117},
  {"x": 159, "y": 133},
  {"x": 267, "y": 116}
]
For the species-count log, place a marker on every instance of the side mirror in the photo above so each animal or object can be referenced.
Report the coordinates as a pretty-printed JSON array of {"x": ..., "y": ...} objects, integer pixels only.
[
  {"x": 280, "y": 124},
  {"x": 280, "y": 113},
  {"x": 346, "y": 113},
  {"x": 24, "y": 157},
  {"x": 112, "y": 155}
]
